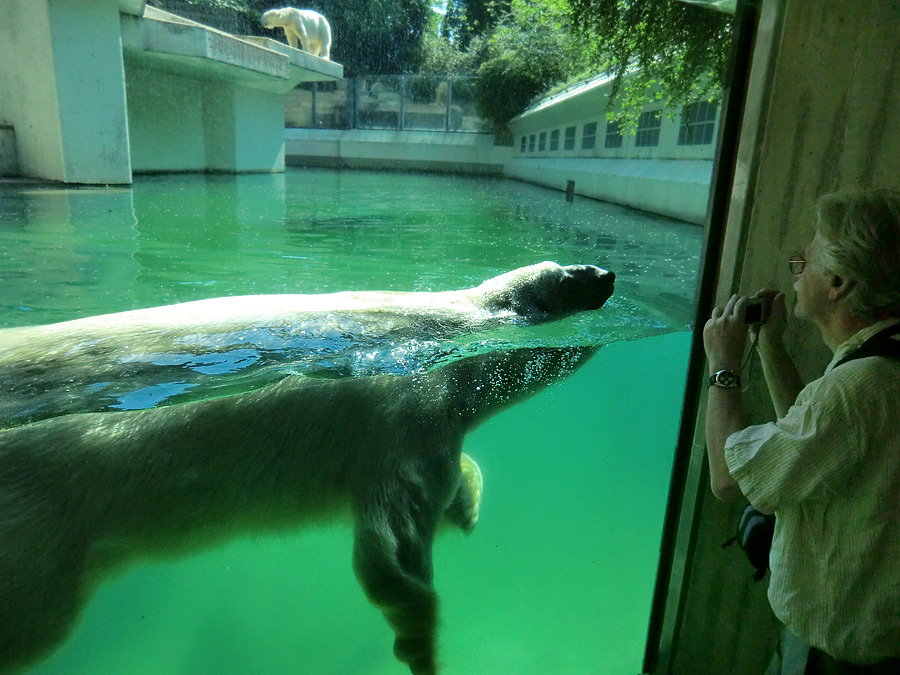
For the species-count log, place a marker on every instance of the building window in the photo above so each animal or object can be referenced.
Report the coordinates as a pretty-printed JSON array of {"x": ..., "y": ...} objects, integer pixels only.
[
  {"x": 522, "y": 147},
  {"x": 542, "y": 141},
  {"x": 647, "y": 135},
  {"x": 613, "y": 135},
  {"x": 570, "y": 139},
  {"x": 698, "y": 122},
  {"x": 589, "y": 136},
  {"x": 554, "y": 140},
  {"x": 531, "y": 143}
]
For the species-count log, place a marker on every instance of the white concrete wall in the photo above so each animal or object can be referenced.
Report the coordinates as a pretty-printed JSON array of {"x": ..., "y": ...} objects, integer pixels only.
[
  {"x": 667, "y": 178},
  {"x": 387, "y": 149},
  {"x": 674, "y": 188},
  {"x": 65, "y": 55},
  {"x": 27, "y": 94}
]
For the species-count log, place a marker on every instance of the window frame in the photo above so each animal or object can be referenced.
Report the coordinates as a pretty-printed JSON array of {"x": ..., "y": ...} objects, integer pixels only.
[
  {"x": 554, "y": 140},
  {"x": 569, "y": 138},
  {"x": 698, "y": 123},
  {"x": 648, "y": 129},
  {"x": 613, "y": 136},
  {"x": 586, "y": 136}
]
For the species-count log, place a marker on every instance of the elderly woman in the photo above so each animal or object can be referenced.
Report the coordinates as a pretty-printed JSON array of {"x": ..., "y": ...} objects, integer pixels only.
[{"x": 829, "y": 467}]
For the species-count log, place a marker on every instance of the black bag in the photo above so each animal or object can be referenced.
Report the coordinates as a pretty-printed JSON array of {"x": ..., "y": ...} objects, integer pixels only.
[
  {"x": 754, "y": 536},
  {"x": 755, "y": 528}
]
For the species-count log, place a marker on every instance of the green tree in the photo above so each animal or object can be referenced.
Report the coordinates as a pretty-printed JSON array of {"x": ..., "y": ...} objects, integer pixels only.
[
  {"x": 672, "y": 51},
  {"x": 469, "y": 19},
  {"x": 531, "y": 49},
  {"x": 377, "y": 36}
]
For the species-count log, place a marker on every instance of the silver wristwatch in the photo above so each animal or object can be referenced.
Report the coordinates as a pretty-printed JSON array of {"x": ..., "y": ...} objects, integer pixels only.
[{"x": 727, "y": 379}]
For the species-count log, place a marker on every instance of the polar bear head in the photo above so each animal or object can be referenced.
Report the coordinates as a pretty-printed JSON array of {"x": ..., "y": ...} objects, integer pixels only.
[
  {"x": 548, "y": 291},
  {"x": 274, "y": 18}
]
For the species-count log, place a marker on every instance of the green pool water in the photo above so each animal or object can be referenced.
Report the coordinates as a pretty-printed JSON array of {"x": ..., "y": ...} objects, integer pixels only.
[{"x": 556, "y": 578}]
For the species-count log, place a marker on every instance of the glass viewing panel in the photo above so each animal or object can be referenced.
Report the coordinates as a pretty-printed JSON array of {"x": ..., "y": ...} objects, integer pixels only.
[
  {"x": 560, "y": 568},
  {"x": 559, "y": 572}
]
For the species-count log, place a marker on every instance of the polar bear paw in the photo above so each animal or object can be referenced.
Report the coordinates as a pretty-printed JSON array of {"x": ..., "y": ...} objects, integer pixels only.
[{"x": 466, "y": 505}]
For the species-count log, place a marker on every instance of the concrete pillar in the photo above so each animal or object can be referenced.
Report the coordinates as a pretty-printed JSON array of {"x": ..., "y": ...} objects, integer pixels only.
[
  {"x": 62, "y": 88},
  {"x": 243, "y": 128}
]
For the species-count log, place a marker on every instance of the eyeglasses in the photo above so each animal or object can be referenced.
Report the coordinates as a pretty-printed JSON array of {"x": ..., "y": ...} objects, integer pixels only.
[{"x": 797, "y": 264}]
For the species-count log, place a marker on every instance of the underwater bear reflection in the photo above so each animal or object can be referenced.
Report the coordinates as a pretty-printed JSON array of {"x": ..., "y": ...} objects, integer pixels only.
[{"x": 82, "y": 495}]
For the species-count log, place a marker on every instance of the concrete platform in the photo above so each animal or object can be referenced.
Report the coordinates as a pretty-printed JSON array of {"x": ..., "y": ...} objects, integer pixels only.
[{"x": 95, "y": 90}]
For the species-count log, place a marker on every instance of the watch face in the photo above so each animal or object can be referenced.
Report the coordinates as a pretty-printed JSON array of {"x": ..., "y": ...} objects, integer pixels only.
[{"x": 725, "y": 378}]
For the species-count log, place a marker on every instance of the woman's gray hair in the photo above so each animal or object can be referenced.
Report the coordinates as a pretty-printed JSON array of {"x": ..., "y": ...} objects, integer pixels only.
[{"x": 861, "y": 233}]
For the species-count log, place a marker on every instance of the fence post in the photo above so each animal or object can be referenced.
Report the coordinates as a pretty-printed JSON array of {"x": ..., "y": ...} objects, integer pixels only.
[
  {"x": 447, "y": 110},
  {"x": 402, "y": 99},
  {"x": 353, "y": 91}
]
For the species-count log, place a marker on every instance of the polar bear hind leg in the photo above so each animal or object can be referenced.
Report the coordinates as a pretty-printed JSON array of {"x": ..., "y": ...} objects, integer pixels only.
[{"x": 324, "y": 48}]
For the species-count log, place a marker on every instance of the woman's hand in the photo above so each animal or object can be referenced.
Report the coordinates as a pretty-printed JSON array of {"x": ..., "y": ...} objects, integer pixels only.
[
  {"x": 771, "y": 330},
  {"x": 725, "y": 335}
]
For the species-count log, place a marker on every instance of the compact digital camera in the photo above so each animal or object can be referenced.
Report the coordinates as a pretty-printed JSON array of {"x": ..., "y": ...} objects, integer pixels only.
[{"x": 757, "y": 310}]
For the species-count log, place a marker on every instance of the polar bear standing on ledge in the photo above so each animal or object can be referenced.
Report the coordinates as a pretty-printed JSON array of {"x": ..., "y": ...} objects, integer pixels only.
[{"x": 304, "y": 26}]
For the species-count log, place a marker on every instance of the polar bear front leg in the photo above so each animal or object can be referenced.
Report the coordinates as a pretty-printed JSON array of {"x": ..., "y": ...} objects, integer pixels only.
[
  {"x": 294, "y": 37},
  {"x": 464, "y": 509},
  {"x": 303, "y": 37},
  {"x": 392, "y": 561}
]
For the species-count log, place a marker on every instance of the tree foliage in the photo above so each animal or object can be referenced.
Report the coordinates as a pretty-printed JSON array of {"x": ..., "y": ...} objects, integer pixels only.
[
  {"x": 377, "y": 36},
  {"x": 466, "y": 20},
  {"x": 530, "y": 50},
  {"x": 672, "y": 51}
]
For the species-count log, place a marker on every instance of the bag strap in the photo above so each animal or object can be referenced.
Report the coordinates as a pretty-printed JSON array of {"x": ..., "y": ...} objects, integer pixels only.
[{"x": 880, "y": 344}]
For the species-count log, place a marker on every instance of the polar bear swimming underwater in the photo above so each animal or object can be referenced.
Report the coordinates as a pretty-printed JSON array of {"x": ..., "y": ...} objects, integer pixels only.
[{"x": 82, "y": 495}]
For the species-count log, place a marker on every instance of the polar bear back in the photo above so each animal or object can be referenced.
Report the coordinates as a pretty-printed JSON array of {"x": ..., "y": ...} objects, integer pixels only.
[{"x": 305, "y": 27}]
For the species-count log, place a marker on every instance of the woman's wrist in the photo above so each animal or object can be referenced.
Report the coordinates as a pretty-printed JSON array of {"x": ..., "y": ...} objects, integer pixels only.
[
  {"x": 715, "y": 365},
  {"x": 771, "y": 347}
]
